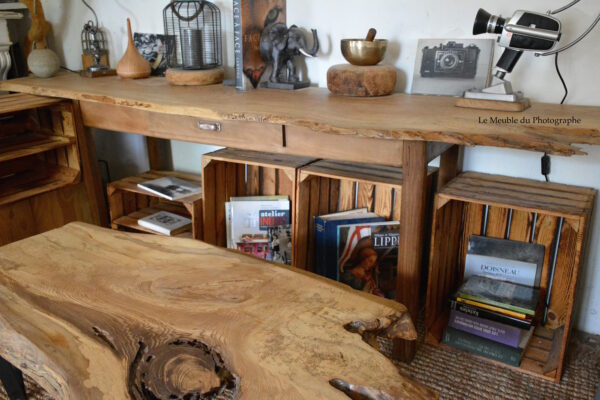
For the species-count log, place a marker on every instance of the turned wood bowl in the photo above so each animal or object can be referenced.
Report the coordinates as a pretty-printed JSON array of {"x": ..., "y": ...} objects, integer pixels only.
[{"x": 364, "y": 52}]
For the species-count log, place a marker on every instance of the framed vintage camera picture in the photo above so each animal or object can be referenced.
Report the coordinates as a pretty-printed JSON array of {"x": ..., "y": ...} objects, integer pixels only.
[{"x": 449, "y": 67}]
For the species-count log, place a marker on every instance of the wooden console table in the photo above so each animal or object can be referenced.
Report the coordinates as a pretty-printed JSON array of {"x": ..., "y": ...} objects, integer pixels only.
[
  {"x": 398, "y": 130},
  {"x": 91, "y": 313}
]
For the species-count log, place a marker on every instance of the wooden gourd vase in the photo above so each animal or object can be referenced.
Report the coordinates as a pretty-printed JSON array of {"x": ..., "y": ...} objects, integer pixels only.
[{"x": 133, "y": 65}]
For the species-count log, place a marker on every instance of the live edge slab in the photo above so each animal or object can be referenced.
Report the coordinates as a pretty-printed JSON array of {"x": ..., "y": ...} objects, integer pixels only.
[
  {"x": 543, "y": 127},
  {"x": 90, "y": 313}
]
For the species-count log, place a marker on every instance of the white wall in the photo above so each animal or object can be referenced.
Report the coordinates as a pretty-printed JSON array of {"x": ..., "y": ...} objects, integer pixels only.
[{"x": 403, "y": 22}]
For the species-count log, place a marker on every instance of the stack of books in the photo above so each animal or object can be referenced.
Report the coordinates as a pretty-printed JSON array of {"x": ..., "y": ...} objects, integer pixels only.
[{"x": 492, "y": 318}]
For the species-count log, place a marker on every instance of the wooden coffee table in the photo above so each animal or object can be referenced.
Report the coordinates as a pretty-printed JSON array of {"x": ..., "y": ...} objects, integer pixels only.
[{"x": 92, "y": 313}]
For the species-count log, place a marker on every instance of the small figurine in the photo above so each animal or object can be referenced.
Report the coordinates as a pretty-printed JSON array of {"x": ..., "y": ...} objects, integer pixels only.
[{"x": 278, "y": 47}]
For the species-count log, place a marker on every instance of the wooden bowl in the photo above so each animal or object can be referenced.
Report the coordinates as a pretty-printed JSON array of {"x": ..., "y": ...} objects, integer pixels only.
[{"x": 364, "y": 52}]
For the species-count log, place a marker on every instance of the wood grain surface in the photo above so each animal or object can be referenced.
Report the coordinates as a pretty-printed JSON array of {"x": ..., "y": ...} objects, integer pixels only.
[
  {"x": 429, "y": 118},
  {"x": 93, "y": 313}
]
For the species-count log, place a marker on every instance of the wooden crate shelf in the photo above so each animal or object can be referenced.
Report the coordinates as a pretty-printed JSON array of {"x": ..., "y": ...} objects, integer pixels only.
[
  {"x": 32, "y": 144},
  {"x": 230, "y": 173},
  {"x": 458, "y": 214},
  {"x": 38, "y": 147},
  {"x": 333, "y": 186},
  {"x": 128, "y": 203}
]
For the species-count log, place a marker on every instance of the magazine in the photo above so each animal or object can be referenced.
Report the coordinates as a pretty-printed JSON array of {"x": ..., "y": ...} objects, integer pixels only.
[
  {"x": 166, "y": 223},
  {"x": 171, "y": 188},
  {"x": 249, "y": 220}
]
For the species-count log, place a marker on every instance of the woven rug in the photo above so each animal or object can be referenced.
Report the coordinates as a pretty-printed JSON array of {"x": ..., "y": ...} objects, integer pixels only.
[{"x": 457, "y": 376}]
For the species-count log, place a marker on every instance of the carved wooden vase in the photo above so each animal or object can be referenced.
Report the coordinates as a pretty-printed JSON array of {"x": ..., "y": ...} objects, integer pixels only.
[{"x": 133, "y": 65}]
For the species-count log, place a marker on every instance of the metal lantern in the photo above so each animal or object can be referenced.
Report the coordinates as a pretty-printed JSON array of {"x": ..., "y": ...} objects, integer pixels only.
[
  {"x": 93, "y": 42},
  {"x": 193, "y": 30}
]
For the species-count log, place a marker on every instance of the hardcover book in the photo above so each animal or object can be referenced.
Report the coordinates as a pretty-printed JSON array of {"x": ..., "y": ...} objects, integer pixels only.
[
  {"x": 166, "y": 223},
  {"x": 171, "y": 188},
  {"x": 507, "y": 295},
  {"x": 480, "y": 346},
  {"x": 508, "y": 260},
  {"x": 489, "y": 315},
  {"x": 326, "y": 237},
  {"x": 368, "y": 257},
  {"x": 496, "y": 331},
  {"x": 250, "y": 18},
  {"x": 250, "y": 219}
]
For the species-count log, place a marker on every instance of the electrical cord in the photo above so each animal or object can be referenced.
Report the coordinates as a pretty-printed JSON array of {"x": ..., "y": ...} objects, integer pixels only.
[{"x": 561, "y": 79}]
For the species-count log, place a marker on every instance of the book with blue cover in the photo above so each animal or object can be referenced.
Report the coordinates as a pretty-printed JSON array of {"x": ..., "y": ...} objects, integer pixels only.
[{"x": 326, "y": 237}]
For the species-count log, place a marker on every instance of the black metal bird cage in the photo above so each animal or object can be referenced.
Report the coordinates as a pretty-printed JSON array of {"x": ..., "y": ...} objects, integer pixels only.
[{"x": 193, "y": 34}]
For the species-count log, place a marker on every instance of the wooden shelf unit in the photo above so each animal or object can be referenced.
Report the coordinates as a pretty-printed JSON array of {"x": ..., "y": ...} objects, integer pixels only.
[
  {"x": 328, "y": 186},
  {"x": 458, "y": 213},
  {"x": 230, "y": 173},
  {"x": 38, "y": 147},
  {"x": 128, "y": 203}
]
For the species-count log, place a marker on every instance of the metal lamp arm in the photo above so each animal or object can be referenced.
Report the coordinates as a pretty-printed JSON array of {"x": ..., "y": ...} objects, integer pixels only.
[
  {"x": 559, "y": 10},
  {"x": 573, "y": 43}
]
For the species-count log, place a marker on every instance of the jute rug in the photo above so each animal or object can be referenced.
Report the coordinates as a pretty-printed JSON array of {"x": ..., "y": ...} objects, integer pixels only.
[{"x": 457, "y": 376}]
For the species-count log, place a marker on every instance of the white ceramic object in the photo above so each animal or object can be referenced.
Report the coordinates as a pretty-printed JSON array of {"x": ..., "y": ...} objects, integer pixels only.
[{"x": 44, "y": 63}]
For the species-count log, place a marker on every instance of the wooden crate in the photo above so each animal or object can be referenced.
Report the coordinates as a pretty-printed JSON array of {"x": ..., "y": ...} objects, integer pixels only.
[
  {"x": 328, "y": 186},
  {"x": 229, "y": 173},
  {"x": 128, "y": 203},
  {"x": 38, "y": 147},
  {"x": 458, "y": 213}
]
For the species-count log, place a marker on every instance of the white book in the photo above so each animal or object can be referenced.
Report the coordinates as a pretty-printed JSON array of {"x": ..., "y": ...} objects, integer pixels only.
[
  {"x": 171, "y": 188},
  {"x": 166, "y": 223},
  {"x": 250, "y": 219}
]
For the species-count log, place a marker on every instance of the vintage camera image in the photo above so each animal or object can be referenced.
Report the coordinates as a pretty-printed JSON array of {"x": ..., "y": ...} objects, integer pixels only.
[{"x": 449, "y": 67}]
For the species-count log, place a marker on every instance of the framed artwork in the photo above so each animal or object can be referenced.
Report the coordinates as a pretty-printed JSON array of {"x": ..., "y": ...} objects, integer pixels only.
[
  {"x": 153, "y": 47},
  {"x": 449, "y": 67}
]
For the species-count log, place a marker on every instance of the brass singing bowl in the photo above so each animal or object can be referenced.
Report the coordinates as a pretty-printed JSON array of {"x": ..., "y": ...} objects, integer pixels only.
[{"x": 363, "y": 52}]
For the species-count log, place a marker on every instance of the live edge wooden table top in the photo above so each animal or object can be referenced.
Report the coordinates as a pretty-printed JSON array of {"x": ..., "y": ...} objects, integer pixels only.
[
  {"x": 403, "y": 117},
  {"x": 91, "y": 313}
]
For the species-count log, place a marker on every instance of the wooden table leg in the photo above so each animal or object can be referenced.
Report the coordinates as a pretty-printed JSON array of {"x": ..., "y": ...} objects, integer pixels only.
[
  {"x": 449, "y": 166},
  {"x": 159, "y": 154},
  {"x": 412, "y": 233},
  {"x": 12, "y": 379},
  {"x": 90, "y": 169}
]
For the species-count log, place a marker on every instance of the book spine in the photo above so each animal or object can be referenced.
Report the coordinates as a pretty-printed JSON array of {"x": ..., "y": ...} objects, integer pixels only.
[
  {"x": 238, "y": 44},
  {"x": 319, "y": 256},
  {"x": 489, "y": 315},
  {"x": 482, "y": 347},
  {"x": 493, "y": 308},
  {"x": 506, "y": 306},
  {"x": 491, "y": 330}
]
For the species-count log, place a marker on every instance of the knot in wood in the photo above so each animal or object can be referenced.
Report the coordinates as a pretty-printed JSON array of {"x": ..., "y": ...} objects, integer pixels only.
[{"x": 183, "y": 369}]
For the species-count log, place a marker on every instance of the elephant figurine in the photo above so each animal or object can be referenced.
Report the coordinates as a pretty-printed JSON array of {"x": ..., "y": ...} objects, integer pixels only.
[{"x": 278, "y": 47}]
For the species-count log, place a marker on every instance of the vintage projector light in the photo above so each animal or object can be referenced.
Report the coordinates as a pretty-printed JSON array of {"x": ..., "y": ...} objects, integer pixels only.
[{"x": 524, "y": 31}]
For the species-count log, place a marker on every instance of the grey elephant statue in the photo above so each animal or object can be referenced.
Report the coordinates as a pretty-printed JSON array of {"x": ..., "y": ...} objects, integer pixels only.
[{"x": 279, "y": 45}]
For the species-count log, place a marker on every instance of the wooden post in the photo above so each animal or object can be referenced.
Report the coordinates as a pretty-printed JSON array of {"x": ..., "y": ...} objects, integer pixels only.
[
  {"x": 90, "y": 170},
  {"x": 449, "y": 166},
  {"x": 412, "y": 229},
  {"x": 159, "y": 154}
]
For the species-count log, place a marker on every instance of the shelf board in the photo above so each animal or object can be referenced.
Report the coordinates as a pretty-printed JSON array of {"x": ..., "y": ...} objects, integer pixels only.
[
  {"x": 29, "y": 183},
  {"x": 129, "y": 184},
  {"x": 30, "y": 144},
  {"x": 12, "y": 103},
  {"x": 131, "y": 221}
]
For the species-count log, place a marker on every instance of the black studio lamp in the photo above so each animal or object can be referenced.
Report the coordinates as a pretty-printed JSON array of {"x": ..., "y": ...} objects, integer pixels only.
[{"x": 524, "y": 31}]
